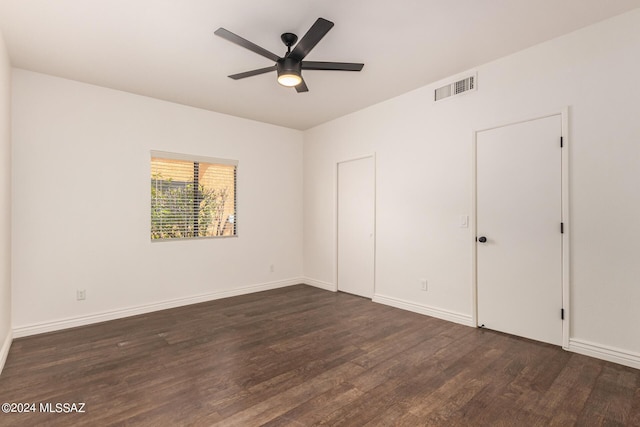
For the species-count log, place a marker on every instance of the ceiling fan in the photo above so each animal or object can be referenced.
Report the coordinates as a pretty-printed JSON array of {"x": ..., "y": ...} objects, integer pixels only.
[{"x": 290, "y": 66}]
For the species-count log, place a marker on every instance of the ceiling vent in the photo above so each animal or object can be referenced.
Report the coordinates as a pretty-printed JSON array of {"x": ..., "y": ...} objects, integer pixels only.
[{"x": 456, "y": 88}]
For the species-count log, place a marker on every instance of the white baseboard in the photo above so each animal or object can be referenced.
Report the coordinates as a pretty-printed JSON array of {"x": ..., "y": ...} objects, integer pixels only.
[
  {"x": 604, "y": 352},
  {"x": 72, "y": 322},
  {"x": 586, "y": 348},
  {"x": 4, "y": 350},
  {"x": 320, "y": 284},
  {"x": 450, "y": 316}
]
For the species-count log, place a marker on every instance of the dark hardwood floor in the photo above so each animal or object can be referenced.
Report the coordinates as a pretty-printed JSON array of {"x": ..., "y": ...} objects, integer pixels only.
[{"x": 301, "y": 356}]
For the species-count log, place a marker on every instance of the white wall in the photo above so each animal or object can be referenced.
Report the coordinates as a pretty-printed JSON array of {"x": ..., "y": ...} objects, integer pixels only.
[
  {"x": 82, "y": 205},
  {"x": 5, "y": 202},
  {"x": 424, "y": 176}
]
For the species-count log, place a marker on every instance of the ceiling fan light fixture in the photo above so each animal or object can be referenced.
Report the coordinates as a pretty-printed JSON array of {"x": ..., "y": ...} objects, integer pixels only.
[
  {"x": 289, "y": 80},
  {"x": 289, "y": 72}
]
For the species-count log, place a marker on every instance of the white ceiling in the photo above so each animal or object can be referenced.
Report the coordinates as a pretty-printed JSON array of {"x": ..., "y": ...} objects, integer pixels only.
[{"x": 166, "y": 49}]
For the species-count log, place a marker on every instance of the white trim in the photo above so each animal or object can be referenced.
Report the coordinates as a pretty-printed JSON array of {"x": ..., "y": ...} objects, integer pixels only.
[
  {"x": 375, "y": 209},
  {"x": 375, "y": 220},
  {"x": 604, "y": 352},
  {"x": 320, "y": 284},
  {"x": 353, "y": 159},
  {"x": 474, "y": 228},
  {"x": 566, "y": 237},
  {"x": 4, "y": 350},
  {"x": 192, "y": 158},
  {"x": 72, "y": 322},
  {"x": 566, "y": 266},
  {"x": 517, "y": 122},
  {"x": 439, "y": 313}
]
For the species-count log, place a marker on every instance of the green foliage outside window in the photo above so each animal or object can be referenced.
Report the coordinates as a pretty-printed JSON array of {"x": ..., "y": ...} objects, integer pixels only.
[{"x": 186, "y": 209}]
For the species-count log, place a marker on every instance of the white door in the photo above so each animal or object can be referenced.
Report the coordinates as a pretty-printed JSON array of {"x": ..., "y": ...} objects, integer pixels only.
[
  {"x": 519, "y": 213},
  {"x": 356, "y": 210}
]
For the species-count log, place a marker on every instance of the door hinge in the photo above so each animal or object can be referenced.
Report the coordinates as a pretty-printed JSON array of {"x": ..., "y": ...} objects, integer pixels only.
[
  {"x": 562, "y": 313},
  {"x": 561, "y": 142},
  {"x": 562, "y": 228}
]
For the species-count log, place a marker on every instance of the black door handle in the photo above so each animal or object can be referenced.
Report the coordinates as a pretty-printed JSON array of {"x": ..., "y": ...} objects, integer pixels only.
[{"x": 482, "y": 239}]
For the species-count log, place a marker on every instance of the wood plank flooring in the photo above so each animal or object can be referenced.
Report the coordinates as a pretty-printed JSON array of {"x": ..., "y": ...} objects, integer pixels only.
[{"x": 301, "y": 356}]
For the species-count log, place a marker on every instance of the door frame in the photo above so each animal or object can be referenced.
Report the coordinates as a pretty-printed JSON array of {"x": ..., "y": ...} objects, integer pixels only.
[
  {"x": 335, "y": 201},
  {"x": 564, "y": 153}
]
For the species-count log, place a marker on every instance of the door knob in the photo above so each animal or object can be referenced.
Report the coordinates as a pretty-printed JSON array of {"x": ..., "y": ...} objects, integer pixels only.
[{"x": 482, "y": 239}]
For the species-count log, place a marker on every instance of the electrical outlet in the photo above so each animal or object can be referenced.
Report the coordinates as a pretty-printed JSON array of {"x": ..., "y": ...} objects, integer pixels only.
[
  {"x": 272, "y": 268},
  {"x": 81, "y": 294},
  {"x": 423, "y": 284}
]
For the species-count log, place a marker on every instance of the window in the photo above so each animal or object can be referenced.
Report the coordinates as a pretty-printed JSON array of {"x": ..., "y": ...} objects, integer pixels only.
[{"x": 192, "y": 196}]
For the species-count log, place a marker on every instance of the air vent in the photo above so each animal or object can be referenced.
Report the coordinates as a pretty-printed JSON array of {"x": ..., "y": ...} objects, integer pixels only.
[{"x": 456, "y": 88}]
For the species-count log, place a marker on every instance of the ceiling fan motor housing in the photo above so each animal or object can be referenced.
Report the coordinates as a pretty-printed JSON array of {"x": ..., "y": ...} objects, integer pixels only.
[{"x": 288, "y": 66}]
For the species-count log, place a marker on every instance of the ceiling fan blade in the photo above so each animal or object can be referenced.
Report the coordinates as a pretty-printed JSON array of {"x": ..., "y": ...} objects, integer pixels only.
[
  {"x": 302, "y": 87},
  {"x": 234, "y": 38},
  {"x": 317, "y": 31},
  {"x": 338, "y": 66},
  {"x": 252, "y": 72}
]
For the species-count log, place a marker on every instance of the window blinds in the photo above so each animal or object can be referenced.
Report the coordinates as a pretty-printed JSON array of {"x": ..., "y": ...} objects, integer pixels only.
[{"x": 192, "y": 196}]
